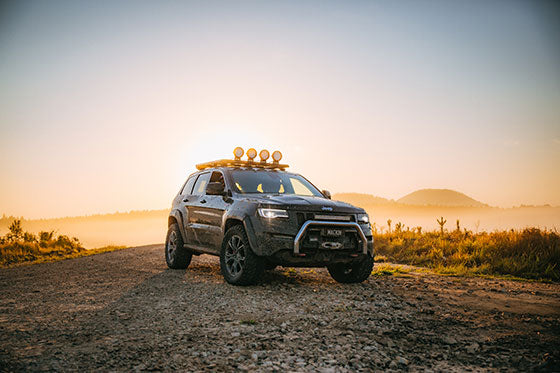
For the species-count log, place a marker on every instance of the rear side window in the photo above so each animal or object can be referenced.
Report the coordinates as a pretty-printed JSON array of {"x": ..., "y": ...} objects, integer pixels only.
[
  {"x": 200, "y": 185},
  {"x": 217, "y": 177},
  {"x": 187, "y": 189}
]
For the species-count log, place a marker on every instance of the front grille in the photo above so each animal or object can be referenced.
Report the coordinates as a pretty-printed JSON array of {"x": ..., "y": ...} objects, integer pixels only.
[
  {"x": 333, "y": 217},
  {"x": 302, "y": 217}
]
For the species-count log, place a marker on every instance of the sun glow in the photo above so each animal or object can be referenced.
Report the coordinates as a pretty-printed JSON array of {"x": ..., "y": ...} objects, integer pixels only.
[{"x": 124, "y": 117}]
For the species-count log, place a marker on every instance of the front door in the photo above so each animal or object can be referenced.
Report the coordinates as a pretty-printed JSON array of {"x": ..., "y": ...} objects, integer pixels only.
[{"x": 211, "y": 211}]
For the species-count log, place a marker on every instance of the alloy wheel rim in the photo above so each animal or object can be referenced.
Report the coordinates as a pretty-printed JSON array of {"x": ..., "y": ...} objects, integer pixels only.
[
  {"x": 172, "y": 245},
  {"x": 235, "y": 255}
]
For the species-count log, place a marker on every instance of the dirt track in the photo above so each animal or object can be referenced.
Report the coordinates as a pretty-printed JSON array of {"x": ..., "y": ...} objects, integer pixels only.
[{"x": 126, "y": 311}]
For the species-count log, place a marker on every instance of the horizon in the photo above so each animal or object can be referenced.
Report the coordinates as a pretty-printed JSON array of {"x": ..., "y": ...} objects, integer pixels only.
[
  {"x": 138, "y": 227},
  {"x": 344, "y": 194},
  {"x": 109, "y": 106}
]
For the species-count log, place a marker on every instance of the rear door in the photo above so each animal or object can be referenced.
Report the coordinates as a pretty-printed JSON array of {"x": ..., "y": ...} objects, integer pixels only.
[
  {"x": 195, "y": 225},
  {"x": 186, "y": 197}
]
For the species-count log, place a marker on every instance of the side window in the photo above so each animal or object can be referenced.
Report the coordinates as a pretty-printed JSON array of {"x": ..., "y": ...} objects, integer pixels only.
[
  {"x": 217, "y": 176},
  {"x": 187, "y": 189},
  {"x": 299, "y": 188},
  {"x": 200, "y": 185}
]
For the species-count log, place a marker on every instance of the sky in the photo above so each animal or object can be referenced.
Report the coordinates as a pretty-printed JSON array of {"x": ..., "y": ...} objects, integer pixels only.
[{"x": 108, "y": 105}]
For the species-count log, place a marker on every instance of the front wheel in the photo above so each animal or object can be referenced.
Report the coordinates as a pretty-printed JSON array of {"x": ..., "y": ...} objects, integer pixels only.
[
  {"x": 354, "y": 272},
  {"x": 176, "y": 256},
  {"x": 269, "y": 266},
  {"x": 239, "y": 265}
]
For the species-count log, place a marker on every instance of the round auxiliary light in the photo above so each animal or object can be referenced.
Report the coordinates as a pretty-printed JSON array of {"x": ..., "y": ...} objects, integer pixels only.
[
  {"x": 238, "y": 153},
  {"x": 251, "y": 154},
  {"x": 264, "y": 154},
  {"x": 277, "y": 156}
]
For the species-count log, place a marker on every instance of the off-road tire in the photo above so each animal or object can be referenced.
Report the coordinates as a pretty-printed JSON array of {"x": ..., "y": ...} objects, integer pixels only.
[
  {"x": 176, "y": 256},
  {"x": 268, "y": 266},
  {"x": 355, "y": 272},
  {"x": 237, "y": 271}
]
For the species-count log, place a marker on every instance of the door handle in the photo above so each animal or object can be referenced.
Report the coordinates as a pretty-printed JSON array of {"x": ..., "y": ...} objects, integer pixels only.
[
  {"x": 203, "y": 201},
  {"x": 186, "y": 200}
]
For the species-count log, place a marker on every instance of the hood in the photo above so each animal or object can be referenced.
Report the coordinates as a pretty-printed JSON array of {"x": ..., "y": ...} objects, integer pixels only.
[{"x": 304, "y": 203}]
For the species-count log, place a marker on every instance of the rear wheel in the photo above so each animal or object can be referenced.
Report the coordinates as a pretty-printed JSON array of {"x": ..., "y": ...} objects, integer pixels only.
[
  {"x": 354, "y": 272},
  {"x": 176, "y": 256},
  {"x": 239, "y": 265}
]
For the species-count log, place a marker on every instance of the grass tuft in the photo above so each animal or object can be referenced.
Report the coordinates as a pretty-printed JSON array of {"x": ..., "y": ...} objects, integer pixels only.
[{"x": 388, "y": 270}]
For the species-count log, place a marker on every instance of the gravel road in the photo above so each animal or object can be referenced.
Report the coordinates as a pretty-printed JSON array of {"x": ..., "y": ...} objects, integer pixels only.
[{"x": 125, "y": 311}]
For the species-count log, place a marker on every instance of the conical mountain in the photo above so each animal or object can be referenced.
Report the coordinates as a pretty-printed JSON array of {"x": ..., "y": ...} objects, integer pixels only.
[{"x": 439, "y": 197}]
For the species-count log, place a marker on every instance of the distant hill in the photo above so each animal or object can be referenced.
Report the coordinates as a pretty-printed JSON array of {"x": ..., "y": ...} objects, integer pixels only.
[
  {"x": 360, "y": 199},
  {"x": 439, "y": 197}
]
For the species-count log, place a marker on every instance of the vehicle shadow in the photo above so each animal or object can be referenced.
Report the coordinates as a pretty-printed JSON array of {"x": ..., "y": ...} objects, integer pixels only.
[{"x": 208, "y": 269}]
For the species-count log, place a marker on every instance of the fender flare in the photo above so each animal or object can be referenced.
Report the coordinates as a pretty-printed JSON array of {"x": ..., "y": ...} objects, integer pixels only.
[
  {"x": 250, "y": 231},
  {"x": 245, "y": 221},
  {"x": 178, "y": 216}
]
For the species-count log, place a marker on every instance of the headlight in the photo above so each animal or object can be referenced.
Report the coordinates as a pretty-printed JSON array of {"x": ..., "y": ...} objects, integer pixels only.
[
  {"x": 273, "y": 213},
  {"x": 363, "y": 218}
]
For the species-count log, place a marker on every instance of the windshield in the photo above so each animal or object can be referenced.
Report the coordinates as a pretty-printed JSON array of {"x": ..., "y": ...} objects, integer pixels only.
[{"x": 272, "y": 182}]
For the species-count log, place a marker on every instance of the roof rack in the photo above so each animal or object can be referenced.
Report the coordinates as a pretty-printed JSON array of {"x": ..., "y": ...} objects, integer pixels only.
[{"x": 239, "y": 163}]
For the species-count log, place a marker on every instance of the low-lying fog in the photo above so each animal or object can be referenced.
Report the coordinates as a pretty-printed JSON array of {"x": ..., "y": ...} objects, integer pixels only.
[{"x": 147, "y": 227}]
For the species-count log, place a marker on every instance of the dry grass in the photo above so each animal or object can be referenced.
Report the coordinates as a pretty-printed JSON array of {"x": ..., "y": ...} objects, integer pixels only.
[
  {"x": 19, "y": 247},
  {"x": 389, "y": 270},
  {"x": 530, "y": 253}
]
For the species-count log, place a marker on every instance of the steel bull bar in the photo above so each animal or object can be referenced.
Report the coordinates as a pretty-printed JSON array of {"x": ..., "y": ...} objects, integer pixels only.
[{"x": 308, "y": 223}]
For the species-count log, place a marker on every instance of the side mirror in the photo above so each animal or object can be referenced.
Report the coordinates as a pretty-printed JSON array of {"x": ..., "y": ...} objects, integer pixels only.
[
  {"x": 327, "y": 194},
  {"x": 215, "y": 188}
]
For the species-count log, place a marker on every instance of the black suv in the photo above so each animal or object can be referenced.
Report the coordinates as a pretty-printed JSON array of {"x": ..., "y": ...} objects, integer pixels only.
[{"x": 255, "y": 216}]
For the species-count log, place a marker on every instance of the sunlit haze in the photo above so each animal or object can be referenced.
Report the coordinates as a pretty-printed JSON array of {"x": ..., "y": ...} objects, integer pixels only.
[{"x": 108, "y": 106}]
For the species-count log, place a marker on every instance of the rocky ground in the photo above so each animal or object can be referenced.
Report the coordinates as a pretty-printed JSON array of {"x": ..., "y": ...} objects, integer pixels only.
[{"x": 125, "y": 311}]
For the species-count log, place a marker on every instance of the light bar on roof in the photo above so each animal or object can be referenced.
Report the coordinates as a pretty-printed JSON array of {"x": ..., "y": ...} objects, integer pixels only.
[{"x": 250, "y": 163}]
